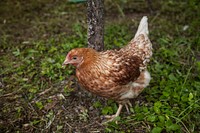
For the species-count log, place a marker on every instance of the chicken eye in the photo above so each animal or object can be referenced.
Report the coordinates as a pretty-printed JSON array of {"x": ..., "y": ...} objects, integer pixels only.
[{"x": 74, "y": 58}]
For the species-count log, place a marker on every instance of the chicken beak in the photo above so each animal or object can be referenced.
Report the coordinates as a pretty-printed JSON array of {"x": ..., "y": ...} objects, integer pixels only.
[{"x": 66, "y": 62}]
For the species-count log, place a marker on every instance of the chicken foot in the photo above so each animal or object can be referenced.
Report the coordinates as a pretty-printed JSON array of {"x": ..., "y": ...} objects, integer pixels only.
[
  {"x": 128, "y": 105},
  {"x": 112, "y": 117}
]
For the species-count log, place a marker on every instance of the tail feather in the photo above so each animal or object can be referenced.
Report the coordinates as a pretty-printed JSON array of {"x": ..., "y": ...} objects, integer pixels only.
[
  {"x": 141, "y": 45},
  {"x": 143, "y": 27}
]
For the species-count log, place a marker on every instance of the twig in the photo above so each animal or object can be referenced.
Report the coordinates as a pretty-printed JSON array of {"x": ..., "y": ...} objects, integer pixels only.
[
  {"x": 179, "y": 120},
  {"x": 8, "y": 94},
  {"x": 50, "y": 122},
  {"x": 45, "y": 91},
  {"x": 30, "y": 105},
  {"x": 70, "y": 127}
]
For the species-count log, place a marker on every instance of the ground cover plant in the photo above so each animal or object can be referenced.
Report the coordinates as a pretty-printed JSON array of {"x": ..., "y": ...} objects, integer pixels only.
[{"x": 38, "y": 95}]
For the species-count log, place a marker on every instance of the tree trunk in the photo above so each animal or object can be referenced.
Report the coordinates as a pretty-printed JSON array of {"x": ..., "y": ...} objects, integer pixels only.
[{"x": 95, "y": 18}]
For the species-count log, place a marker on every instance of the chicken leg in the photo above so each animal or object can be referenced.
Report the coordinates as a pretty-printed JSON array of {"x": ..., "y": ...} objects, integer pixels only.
[
  {"x": 127, "y": 105},
  {"x": 112, "y": 117}
]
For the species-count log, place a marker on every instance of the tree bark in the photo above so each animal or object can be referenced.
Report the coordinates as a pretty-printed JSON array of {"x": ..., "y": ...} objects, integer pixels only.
[{"x": 95, "y": 19}]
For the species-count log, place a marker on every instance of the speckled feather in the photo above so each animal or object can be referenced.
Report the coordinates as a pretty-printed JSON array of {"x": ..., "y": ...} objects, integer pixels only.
[
  {"x": 109, "y": 73},
  {"x": 113, "y": 74},
  {"x": 140, "y": 46}
]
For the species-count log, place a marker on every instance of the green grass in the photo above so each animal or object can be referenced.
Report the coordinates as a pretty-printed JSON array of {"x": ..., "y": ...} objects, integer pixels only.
[{"x": 31, "y": 65}]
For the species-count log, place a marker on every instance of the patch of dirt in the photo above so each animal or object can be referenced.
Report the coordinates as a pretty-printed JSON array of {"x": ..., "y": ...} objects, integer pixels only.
[{"x": 75, "y": 111}]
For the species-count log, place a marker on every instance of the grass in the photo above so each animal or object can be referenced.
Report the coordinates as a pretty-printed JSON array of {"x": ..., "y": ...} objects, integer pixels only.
[{"x": 38, "y": 95}]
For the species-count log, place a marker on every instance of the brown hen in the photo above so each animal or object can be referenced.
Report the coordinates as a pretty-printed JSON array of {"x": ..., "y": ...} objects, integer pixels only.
[{"x": 115, "y": 74}]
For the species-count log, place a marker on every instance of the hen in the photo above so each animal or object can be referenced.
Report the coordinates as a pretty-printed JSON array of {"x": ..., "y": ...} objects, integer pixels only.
[{"x": 115, "y": 74}]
